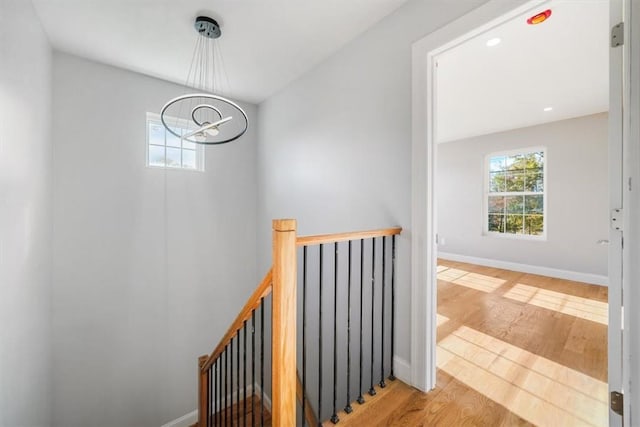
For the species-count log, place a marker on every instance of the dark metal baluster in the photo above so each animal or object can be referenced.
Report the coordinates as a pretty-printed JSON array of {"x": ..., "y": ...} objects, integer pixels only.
[
  {"x": 334, "y": 417},
  {"x": 262, "y": 362},
  {"x": 238, "y": 378},
  {"x": 393, "y": 300},
  {"x": 382, "y": 384},
  {"x": 348, "y": 409},
  {"x": 226, "y": 377},
  {"x": 360, "y": 397},
  {"x": 215, "y": 404},
  {"x": 217, "y": 401},
  {"x": 304, "y": 335},
  {"x": 320, "y": 342},
  {"x": 210, "y": 386},
  {"x": 244, "y": 373},
  {"x": 230, "y": 407},
  {"x": 220, "y": 394},
  {"x": 221, "y": 385},
  {"x": 253, "y": 367},
  {"x": 372, "y": 391}
]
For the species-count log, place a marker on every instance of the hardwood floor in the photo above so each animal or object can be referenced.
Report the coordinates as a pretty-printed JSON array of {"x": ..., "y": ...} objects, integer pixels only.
[
  {"x": 513, "y": 349},
  {"x": 255, "y": 414}
]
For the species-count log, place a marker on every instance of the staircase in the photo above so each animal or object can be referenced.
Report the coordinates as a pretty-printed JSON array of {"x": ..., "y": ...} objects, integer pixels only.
[
  {"x": 377, "y": 408},
  {"x": 315, "y": 341}
]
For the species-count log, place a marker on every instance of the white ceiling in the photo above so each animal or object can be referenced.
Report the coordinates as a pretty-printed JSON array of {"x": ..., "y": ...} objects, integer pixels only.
[
  {"x": 265, "y": 44},
  {"x": 562, "y": 63}
]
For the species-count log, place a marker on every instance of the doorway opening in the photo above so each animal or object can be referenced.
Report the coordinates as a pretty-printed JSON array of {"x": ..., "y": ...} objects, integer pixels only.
[{"x": 520, "y": 287}]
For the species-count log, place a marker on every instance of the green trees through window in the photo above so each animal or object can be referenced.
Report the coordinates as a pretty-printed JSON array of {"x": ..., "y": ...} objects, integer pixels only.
[{"x": 515, "y": 201}]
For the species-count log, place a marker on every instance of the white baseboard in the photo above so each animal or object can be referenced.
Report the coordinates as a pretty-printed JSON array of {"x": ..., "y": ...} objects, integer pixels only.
[
  {"x": 192, "y": 417},
  {"x": 184, "y": 421},
  {"x": 594, "y": 279},
  {"x": 267, "y": 399},
  {"x": 402, "y": 369}
]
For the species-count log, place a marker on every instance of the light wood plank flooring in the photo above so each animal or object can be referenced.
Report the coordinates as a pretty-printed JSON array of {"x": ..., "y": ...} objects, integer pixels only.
[
  {"x": 237, "y": 415},
  {"x": 513, "y": 349}
]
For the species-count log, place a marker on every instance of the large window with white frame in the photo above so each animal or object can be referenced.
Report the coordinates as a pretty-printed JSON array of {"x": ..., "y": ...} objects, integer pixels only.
[
  {"x": 165, "y": 150},
  {"x": 515, "y": 193}
]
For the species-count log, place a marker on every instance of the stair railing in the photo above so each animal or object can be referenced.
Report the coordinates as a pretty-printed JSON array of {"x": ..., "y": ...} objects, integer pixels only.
[
  {"x": 216, "y": 373},
  {"x": 217, "y": 377},
  {"x": 348, "y": 318},
  {"x": 216, "y": 403}
]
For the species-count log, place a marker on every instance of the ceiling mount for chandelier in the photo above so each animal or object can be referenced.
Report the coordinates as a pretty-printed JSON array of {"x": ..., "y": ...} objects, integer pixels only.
[{"x": 210, "y": 119}]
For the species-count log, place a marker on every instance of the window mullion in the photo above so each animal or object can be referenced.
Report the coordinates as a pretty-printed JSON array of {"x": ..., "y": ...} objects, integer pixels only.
[
  {"x": 504, "y": 215},
  {"x": 160, "y": 144},
  {"x": 517, "y": 193},
  {"x": 165, "y": 148},
  {"x": 524, "y": 209},
  {"x": 182, "y": 148}
]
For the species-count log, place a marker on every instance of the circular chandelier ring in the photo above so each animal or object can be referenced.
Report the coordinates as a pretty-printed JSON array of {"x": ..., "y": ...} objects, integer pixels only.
[
  {"x": 200, "y": 107},
  {"x": 207, "y": 96}
]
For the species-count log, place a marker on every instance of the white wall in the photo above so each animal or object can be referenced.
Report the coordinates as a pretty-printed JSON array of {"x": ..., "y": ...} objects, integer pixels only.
[
  {"x": 335, "y": 145},
  {"x": 25, "y": 218},
  {"x": 576, "y": 189},
  {"x": 150, "y": 266}
]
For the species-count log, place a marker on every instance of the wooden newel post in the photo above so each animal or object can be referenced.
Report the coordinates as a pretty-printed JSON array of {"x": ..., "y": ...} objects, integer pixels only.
[
  {"x": 284, "y": 323},
  {"x": 203, "y": 392}
]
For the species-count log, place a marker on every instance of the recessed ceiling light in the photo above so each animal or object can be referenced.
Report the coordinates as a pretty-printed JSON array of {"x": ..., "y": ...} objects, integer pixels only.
[
  {"x": 493, "y": 42},
  {"x": 547, "y": 109}
]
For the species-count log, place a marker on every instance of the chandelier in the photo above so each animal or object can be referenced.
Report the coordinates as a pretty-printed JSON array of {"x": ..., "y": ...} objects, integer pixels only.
[{"x": 210, "y": 119}]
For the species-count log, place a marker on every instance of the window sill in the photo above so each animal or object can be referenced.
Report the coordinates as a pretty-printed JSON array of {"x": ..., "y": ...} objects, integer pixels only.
[
  {"x": 173, "y": 169},
  {"x": 509, "y": 236}
]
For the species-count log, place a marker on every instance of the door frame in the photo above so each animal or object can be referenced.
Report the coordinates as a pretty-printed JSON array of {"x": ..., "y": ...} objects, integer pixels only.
[
  {"x": 631, "y": 203},
  {"x": 423, "y": 188},
  {"x": 424, "y": 152},
  {"x": 616, "y": 366}
]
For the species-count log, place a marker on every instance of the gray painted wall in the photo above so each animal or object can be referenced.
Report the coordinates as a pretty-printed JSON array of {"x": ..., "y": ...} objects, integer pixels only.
[
  {"x": 25, "y": 218},
  {"x": 150, "y": 266},
  {"x": 577, "y": 196},
  {"x": 335, "y": 145}
]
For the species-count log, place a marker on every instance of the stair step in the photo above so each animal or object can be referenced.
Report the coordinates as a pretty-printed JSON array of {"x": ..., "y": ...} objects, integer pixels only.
[
  {"x": 375, "y": 408},
  {"x": 235, "y": 415}
]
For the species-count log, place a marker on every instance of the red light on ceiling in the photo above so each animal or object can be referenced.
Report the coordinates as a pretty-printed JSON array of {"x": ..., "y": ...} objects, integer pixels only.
[{"x": 539, "y": 18}]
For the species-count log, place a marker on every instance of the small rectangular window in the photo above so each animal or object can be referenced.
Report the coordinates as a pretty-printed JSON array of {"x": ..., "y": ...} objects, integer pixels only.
[
  {"x": 515, "y": 195},
  {"x": 166, "y": 150}
]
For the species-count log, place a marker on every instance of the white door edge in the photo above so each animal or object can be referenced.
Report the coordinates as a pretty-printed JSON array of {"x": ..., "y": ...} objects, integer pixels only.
[
  {"x": 631, "y": 284},
  {"x": 615, "y": 269}
]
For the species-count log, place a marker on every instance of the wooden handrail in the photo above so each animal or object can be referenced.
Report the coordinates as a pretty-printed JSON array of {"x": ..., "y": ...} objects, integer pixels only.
[
  {"x": 261, "y": 291},
  {"x": 280, "y": 281},
  {"x": 341, "y": 237}
]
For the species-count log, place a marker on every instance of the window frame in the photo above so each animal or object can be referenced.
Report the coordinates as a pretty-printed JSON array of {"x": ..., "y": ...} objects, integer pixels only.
[
  {"x": 183, "y": 124},
  {"x": 487, "y": 193}
]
